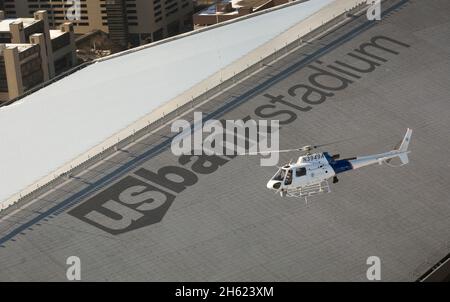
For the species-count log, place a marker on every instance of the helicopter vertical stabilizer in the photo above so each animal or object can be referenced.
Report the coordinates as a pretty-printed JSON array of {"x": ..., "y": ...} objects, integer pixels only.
[{"x": 404, "y": 147}]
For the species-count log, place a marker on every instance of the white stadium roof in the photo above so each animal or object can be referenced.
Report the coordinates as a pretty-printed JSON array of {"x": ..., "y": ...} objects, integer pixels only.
[{"x": 54, "y": 125}]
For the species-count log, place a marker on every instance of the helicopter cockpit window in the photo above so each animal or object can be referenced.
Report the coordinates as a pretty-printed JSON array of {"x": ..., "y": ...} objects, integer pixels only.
[
  {"x": 300, "y": 172},
  {"x": 280, "y": 175}
]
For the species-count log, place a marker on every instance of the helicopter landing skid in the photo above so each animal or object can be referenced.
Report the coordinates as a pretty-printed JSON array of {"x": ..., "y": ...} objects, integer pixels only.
[{"x": 309, "y": 190}]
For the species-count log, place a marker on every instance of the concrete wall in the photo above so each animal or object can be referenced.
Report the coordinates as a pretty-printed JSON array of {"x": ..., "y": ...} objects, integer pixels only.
[
  {"x": 13, "y": 74},
  {"x": 291, "y": 35}
]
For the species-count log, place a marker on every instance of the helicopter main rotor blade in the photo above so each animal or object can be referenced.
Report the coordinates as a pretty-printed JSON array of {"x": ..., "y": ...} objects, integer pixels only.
[
  {"x": 336, "y": 142},
  {"x": 273, "y": 151},
  {"x": 301, "y": 149}
]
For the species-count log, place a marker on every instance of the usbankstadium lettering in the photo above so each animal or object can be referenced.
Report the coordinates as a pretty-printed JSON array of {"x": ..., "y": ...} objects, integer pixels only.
[{"x": 143, "y": 198}]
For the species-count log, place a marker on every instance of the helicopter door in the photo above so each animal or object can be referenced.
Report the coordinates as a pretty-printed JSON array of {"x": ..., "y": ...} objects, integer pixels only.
[{"x": 288, "y": 180}]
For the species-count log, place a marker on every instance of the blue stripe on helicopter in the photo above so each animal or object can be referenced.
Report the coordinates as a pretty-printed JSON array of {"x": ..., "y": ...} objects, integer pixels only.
[{"x": 339, "y": 166}]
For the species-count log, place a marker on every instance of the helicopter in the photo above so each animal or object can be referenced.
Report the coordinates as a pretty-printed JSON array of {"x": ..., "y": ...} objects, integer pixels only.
[{"x": 310, "y": 174}]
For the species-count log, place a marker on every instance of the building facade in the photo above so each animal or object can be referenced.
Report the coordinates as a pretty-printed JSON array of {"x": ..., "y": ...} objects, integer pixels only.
[
  {"x": 32, "y": 53},
  {"x": 224, "y": 10},
  {"x": 140, "y": 21}
]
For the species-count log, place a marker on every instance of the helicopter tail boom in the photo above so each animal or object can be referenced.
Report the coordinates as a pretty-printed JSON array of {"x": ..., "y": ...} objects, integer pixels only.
[{"x": 400, "y": 152}]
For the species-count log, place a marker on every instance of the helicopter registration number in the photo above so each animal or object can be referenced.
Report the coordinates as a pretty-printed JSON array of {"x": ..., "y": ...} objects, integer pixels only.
[{"x": 313, "y": 157}]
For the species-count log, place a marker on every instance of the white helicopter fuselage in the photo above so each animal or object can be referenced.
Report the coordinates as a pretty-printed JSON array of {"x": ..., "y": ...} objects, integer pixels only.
[
  {"x": 308, "y": 170},
  {"x": 317, "y": 169}
]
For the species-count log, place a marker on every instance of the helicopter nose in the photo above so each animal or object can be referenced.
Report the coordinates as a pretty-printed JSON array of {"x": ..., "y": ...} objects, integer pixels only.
[{"x": 273, "y": 184}]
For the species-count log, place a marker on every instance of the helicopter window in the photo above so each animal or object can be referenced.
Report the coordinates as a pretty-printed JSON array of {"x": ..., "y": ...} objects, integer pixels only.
[
  {"x": 280, "y": 175},
  {"x": 288, "y": 177},
  {"x": 300, "y": 172}
]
